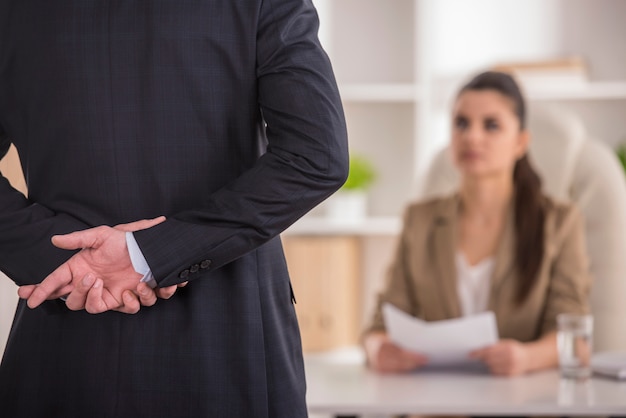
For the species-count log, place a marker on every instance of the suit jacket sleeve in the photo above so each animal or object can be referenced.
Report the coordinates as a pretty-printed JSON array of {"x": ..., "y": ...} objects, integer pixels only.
[
  {"x": 570, "y": 281},
  {"x": 306, "y": 158},
  {"x": 25, "y": 229}
]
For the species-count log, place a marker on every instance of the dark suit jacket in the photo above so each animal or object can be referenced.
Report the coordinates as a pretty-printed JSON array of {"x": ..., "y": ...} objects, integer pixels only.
[
  {"x": 422, "y": 277},
  {"x": 222, "y": 115}
]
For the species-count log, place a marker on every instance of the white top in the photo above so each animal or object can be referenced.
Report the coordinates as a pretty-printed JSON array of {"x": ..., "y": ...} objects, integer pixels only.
[{"x": 473, "y": 283}]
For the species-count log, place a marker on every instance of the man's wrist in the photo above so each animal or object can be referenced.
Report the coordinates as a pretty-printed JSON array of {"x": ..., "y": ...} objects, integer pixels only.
[
  {"x": 139, "y": 261},
  {"x": 149, "y": 279}
]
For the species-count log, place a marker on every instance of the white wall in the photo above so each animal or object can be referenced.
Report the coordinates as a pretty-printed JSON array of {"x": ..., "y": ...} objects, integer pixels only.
[
  {"x": 596, "y": 30},
  {"x": 472, "y": 35}
]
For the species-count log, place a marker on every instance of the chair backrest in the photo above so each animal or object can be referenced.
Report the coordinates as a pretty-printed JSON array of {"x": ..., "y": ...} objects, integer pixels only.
[{"x": 576, "y": 168}]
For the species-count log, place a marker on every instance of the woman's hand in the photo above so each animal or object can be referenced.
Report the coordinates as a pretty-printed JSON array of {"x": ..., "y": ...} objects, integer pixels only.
[
  {"x": 511, "y": 357},
  {"x": 386, "y": 357},
  {"x": 505, "y": 358}
]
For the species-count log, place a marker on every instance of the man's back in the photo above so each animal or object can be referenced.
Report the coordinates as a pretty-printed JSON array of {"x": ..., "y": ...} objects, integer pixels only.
[{"x": 130, "y": 110}]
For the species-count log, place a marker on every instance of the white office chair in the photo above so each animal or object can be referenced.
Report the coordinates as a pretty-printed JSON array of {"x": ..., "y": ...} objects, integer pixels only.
[{"x": 576, "y": 168}]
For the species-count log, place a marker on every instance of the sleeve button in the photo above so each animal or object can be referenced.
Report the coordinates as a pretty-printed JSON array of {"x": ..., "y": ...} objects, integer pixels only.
[
  {"x": 205, "y": 264},
  {"x": 184, "y": 274}
]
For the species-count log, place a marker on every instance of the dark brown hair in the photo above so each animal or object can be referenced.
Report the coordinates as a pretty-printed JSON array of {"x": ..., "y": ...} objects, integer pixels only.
[{"x": 529, "y": 209}]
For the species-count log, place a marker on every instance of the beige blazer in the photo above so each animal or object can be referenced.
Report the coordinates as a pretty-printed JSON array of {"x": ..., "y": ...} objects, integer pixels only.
[{"x": 422, "y": 277}]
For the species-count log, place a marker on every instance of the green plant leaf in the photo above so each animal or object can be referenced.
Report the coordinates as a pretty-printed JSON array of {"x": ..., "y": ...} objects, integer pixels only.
[
  {"x": 361, "y": 174},
  {"x": 621, "y": 154}
]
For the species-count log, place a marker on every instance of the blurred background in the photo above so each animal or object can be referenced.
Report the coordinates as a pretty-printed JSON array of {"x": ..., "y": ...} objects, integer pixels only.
[{"x": 398, "y": 64}]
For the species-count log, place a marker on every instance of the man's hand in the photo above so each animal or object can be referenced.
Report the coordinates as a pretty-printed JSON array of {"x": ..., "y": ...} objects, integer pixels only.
[
  {"x": 143, "y": 294},
  {"x": 90, "y": 290},
  {"x": 505, "y": 358},
  {"x": 103, "y": 256},
  {"x": 100, "y": 277}
]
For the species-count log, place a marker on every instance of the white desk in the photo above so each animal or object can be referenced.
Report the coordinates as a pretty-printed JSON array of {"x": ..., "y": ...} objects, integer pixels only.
[{"x": 351, "y": 389}]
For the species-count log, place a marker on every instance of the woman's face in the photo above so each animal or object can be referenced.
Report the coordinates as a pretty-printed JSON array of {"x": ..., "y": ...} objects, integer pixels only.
[{"x": 486, "y": 135}]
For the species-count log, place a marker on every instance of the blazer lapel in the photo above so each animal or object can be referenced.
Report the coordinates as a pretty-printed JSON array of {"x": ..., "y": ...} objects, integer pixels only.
[
  {"x": 504, "y": 260},
  {"x": 444, "y": 231}
]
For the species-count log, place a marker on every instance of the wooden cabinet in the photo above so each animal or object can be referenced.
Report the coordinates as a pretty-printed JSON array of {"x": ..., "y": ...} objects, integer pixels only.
[{"x": 325, "y": 277}]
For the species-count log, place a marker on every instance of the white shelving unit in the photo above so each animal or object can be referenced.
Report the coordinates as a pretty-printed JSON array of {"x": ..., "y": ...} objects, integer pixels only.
[
  {"x": 399, "y": 63},
  {"x": 390, "y": 92},
  {"x": 370, "y": 227},
  {"x": 596, "y": 90}
]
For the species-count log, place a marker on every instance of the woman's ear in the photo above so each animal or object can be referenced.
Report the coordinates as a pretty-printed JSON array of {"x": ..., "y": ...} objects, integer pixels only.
[{"x": 523, "y": 141}]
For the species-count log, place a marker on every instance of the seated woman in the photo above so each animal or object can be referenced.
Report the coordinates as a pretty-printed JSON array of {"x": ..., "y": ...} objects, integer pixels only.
[{"x": 497, "y": 244}]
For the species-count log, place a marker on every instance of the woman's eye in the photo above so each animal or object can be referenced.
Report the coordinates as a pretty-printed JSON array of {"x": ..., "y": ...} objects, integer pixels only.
[
  {"x": 491, "y": 125},
  {"x": 460, "y": 123}
]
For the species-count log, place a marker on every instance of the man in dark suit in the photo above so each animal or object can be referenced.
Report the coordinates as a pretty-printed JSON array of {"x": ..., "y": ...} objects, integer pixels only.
[{"x": 223, "y": 116}]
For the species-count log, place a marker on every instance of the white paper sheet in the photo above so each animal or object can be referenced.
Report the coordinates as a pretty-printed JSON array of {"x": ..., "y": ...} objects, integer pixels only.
[
  {"x": 610, "y": 363},
  {"x": 443, "y": 342}
]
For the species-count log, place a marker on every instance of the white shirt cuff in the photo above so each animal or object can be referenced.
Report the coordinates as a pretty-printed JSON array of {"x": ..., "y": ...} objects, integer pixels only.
[{"x": 139, "y": 261}]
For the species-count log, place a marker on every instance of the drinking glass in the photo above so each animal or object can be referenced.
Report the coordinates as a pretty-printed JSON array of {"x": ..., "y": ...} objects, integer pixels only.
[{"x": 574, "y": 341}]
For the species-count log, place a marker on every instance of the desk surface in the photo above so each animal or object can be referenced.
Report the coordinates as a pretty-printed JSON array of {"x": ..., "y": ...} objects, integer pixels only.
[{"x": 351, "y": 389}]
